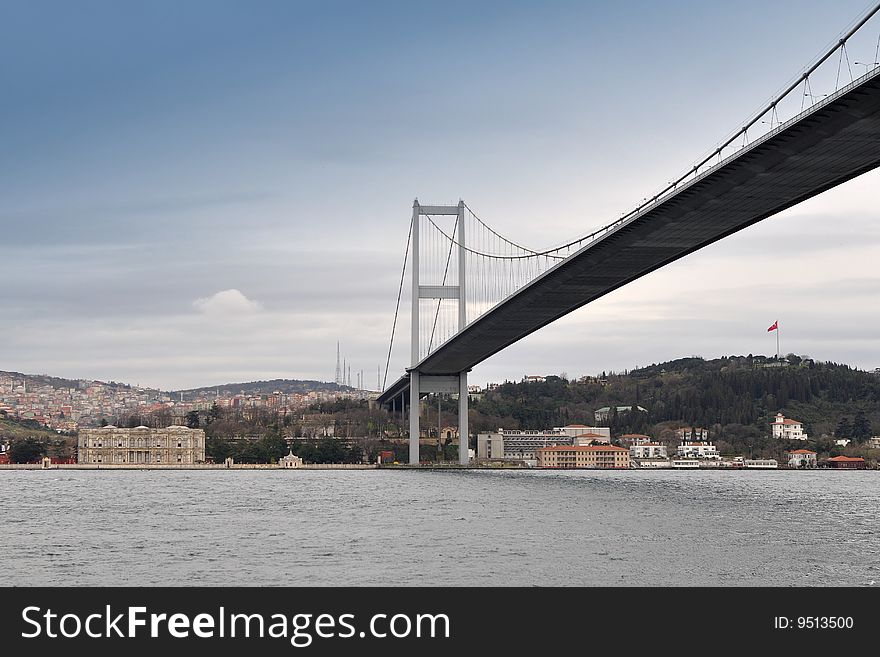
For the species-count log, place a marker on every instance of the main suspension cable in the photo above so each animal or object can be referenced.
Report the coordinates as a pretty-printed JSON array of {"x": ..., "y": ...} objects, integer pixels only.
[{"x": 397, "y": 309}]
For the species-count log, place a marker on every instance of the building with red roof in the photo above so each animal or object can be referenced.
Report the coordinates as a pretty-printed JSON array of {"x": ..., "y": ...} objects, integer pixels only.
[
  {"x": 787, "y": 429},
  {"x": 847, "y": 463},
  {"x": 802, "y": 458}
]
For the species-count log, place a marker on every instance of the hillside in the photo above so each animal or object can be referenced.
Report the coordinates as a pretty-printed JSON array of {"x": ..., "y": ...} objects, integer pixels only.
[
  {"x": 742, "y": 392},
  {"x": 286, "y": 386},
  {"x": 40, "y": 380},
  {"x": 11, "y": 430},
  {"x": 252, "y": 387}
]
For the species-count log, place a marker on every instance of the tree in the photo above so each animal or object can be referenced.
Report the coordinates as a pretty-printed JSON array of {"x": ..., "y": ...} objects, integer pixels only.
[
  {"x": 861, "y": 428},
  {"x": 27, "y": 451},
  {"x": 273, "y": 447},
  {"x": 843, "y": 430},
  {"x": 192, "y": 419}
]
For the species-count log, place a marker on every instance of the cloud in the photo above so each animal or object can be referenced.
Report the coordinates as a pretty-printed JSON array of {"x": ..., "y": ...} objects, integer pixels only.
[{"x": 227, "y": 302}]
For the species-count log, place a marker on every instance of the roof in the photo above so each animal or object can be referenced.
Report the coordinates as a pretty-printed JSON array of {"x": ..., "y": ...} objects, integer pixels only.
[
  {"x": 635, "y": 435},
  {"x": 584, "y": 448},
  {"x": 590, "y": 435},
  {"x": 787, "y": 421},
  {"x": 802, "y": 451},
  {"x": 846, "y": 459}
]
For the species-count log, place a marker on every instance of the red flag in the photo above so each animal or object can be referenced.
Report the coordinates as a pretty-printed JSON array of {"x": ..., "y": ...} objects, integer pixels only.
[{"x": 775, "y": 326}]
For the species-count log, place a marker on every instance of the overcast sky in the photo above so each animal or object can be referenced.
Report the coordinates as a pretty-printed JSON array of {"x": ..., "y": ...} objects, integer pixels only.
[{"x": 194, "y": 193}]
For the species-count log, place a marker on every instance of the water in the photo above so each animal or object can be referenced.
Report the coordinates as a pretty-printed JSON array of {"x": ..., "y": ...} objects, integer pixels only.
[{"x": 439, "y": 528}]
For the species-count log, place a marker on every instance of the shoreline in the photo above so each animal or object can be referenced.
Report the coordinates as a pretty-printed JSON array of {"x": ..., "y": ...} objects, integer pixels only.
[{"x": 373, "y": 466}]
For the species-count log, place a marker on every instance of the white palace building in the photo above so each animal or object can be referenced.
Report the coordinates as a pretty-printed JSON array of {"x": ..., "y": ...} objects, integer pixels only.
[{"x": 174, "y": 445}]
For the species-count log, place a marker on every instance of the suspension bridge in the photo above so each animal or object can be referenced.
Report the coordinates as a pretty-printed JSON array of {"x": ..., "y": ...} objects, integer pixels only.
[{"x": 475, "y": 292}]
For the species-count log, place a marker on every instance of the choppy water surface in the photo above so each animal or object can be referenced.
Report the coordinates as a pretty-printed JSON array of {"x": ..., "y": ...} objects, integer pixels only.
[{"x": 440, "y": 528}]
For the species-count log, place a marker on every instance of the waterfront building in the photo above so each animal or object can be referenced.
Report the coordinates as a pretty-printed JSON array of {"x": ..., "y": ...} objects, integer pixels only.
[
  {"x": 847, "y": 463},
  {"x": 787, "y": 429},
  {"x": 290, "y": 461},
  {"x": 802, "y": 458},
  {"x": 653, "y": 463},
  {"x": 587, "y": 456},
  {"x": 760, "y": 464},
  {"x": 519, "y": 445},
  {"x": 174, "y": 445},
  {"x": 685, "y": 464},
  {"x": 648, "y": 451},
  {"x": 604, "y": 414},
  {"x": 697, "y": 450}
]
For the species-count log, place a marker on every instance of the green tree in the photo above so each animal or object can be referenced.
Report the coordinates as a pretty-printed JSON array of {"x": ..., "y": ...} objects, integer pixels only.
[
  {"x": 192, "y": 419},
  {"x": 27, "y": 451},
  {"x": 861, "y": 428},
  {"x": 843, "y": 430},
  {"x": 273, "y": 446}
]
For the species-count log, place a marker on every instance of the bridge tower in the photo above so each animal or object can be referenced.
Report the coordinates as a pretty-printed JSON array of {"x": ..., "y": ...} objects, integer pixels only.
[{"x": 448, "y": 384}]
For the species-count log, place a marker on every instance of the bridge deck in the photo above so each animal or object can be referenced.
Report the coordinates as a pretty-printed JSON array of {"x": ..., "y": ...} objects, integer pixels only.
[{"x": 835, "y": 141}]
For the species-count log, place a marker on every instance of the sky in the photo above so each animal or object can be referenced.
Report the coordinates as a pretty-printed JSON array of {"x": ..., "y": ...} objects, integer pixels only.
[{"x": 202, "y": 192}]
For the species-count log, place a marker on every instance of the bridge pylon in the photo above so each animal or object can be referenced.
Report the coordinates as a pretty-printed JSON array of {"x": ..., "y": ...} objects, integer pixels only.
[{"x": 453, "y": 383}]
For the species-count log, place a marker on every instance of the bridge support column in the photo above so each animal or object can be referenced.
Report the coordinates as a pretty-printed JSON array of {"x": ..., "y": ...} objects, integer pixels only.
[
  {"x": 413, "y": 417},
  {"x": 463, "y": 433}
]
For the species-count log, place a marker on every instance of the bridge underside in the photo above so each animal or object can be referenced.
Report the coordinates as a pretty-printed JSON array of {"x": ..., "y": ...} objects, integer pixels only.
[{"x": 834, "y": 142}]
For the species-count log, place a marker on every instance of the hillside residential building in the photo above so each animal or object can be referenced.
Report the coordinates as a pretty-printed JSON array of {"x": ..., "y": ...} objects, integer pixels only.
[
  {"x": 648, "y": 451},
  {"x": 578, "y": 430},
  {"x": 590, "y": 439},
  {"x": 692, "y": 434},
  {"x": 802, "y": 458},
  {"x": 787, "y": 429},
  {"x": 174, "y": 445},
  {"x": 588, "y": 456},
  {"x": 697, "y": 450},
  {"x": 629, "y": 439},
  {"x": 604, "y": 414}
]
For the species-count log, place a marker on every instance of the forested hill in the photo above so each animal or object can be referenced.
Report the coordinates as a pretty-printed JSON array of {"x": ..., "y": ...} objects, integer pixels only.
[
  {"x": 286, "y": 386},
  {"x": 736, "y": 390}
]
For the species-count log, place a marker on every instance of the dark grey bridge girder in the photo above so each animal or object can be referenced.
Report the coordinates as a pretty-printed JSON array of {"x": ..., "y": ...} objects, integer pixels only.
[{"x": 834, "y": 142}]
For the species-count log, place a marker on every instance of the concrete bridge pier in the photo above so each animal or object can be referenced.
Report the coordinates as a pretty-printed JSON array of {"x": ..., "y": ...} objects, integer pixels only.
[{"x": 452, "y": 384}]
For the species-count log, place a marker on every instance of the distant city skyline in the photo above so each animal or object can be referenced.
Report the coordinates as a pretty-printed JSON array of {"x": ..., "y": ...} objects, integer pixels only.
[{"x": 203, "y": 194}]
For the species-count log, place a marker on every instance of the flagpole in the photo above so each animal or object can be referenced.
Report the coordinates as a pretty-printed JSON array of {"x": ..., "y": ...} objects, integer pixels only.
[{"x": 777, "y": 339}]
